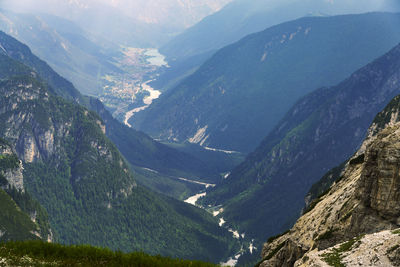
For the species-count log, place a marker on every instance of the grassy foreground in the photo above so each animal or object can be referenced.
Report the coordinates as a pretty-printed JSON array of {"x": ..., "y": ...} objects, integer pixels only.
[{"x": 39, "y": 253}]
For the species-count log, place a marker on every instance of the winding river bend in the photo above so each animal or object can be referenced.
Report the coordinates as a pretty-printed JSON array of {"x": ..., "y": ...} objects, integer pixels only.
[
  {"x": 154, "y": 94},
  {"x": 156, "y": 59},
  {"x": 232, "y": 261}
]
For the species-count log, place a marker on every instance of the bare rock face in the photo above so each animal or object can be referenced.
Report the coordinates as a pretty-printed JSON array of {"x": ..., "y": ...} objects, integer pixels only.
[
  {"x": 29, "y": 129},
  {"x": 379, "y": 186},
  {"x": 15, "y": 178},
  {"x": 13, "y": 174},
  {"x": 365, "y": 200},
  {"x": 372, "y": 250}
]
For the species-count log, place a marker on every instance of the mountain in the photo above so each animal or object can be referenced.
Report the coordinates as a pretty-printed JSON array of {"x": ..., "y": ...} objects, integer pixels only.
[
  {"x": 139, "y": 149},
  {"x": 85, "y": 184},
  {"x": 74, "y": 53},
  {"x": 263, "y": 196},
  {"x": 242, "y": 17},
  {"x": 186, "y": 52},
  {"x": 353, "y": 222},
  {"x": 234, "y": 99},
  {"x": 132, "y": 23},
  {"x": 176, "y": 14},
  {"x": 22, "y": 217}
]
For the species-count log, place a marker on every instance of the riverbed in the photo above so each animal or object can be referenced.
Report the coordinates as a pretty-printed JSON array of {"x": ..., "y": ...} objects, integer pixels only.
[{"x": 147, "y": 100}]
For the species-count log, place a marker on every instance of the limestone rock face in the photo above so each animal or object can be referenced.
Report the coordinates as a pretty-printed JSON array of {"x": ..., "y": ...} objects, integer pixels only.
[
  {"x": 15, "y": 178},
  {"x": 385, "y": 252},
  {"x": 13, "y": 175},
  {"x": 379, "y": 186},
  {"x": 365, "y": 200},
  {"x": 29, "y": 128}
]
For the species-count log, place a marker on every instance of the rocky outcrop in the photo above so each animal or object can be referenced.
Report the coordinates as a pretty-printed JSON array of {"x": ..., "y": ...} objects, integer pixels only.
[
  {"x": 378, "y": 249},
  {"x": 11, "y": 167},
  {"x": 15, "y": 178},
  {"x": 365, "y": 200}
]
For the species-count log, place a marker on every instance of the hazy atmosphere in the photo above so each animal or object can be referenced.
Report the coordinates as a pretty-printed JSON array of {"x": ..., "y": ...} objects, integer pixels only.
[{"x": 200, "y": 133}]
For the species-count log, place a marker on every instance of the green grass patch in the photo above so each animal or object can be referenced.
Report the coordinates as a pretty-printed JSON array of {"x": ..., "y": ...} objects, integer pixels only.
[
  {"x": 38, "y": 253},
  {"x": 396, "y": 232},
  {"x": 334, "y": 258}
]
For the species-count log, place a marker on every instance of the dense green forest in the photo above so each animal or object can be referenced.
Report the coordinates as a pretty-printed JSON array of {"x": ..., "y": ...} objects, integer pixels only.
[
  {"x": 137, "y": 148},
  {"x": 87, "y": 188}
]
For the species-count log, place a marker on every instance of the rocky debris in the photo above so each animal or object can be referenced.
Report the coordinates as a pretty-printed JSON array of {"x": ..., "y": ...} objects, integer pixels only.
[
  {"x": 373, "y": 250},
  {"x": 364, "y": 200}
]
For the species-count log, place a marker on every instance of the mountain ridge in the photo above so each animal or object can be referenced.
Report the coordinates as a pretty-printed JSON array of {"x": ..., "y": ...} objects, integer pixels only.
[
  {"x": 83, "y": 181},
  {"x": 331, "y": 122},
  {"x": 138, "y": 148},
  {"x": 359, "y": 205},
  {"x": 251, "y": 84}
]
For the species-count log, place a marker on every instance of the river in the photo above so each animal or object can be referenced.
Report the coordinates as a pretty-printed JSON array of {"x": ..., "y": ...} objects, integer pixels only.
[
  {"x": 147, "y": 100},
  {"x": 153, "y": 57}
]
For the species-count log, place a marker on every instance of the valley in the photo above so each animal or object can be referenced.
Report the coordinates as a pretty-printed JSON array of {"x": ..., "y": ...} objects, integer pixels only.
[
  {"x": 129, "y": 93},
  {"x": 200, "y": 133}
]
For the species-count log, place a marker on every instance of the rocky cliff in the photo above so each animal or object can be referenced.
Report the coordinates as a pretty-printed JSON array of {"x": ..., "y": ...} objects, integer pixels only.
[
  {"x": 11, "y": 167},
  {"x": 22, "y": 217},
  {"x": 364, "y": 200}
]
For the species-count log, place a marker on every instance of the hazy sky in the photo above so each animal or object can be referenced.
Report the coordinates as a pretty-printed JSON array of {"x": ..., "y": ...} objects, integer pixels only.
[
  {"x": 170, "y": 16},
  {"x": 185, "y": 12}
]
